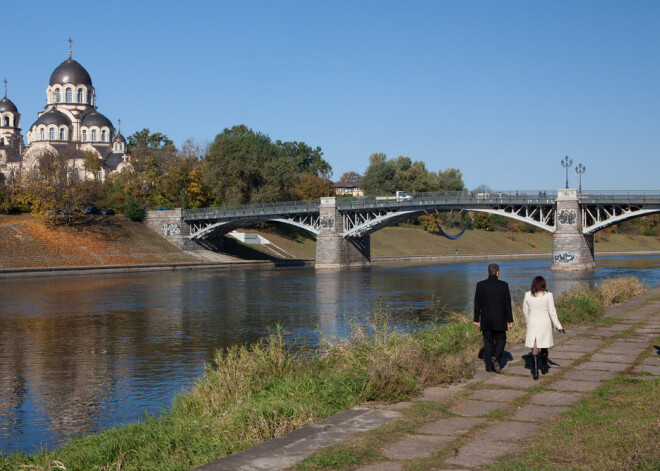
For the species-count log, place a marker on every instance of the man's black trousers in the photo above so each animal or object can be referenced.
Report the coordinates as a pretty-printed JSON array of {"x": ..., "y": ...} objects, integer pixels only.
[{"x": 494, "y": 341}]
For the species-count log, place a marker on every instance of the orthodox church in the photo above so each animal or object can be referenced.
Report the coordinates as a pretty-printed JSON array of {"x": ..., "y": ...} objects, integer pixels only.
[{"x": 70, "y": 125}]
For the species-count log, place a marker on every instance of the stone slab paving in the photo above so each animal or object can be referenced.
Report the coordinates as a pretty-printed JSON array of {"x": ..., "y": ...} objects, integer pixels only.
[
  {"x": 510, "y": 430},
  {"x": 608, "y": 357},
  {"x": 475, "y": 408},
  {"x": 452, "y": 426},
  {"x": 415, "y": 446},
  {"x": 534, "y": 412},
  {"x": 512, "y": 381},
  {"x": 552, "y": 398},
  {"x": 382, "y": 467},
  {"x": 583, "y": 341},
  {"x": 599, "y": 365},
  {"x": 481, "y": 452},
  {"x": 564, "y": 355},
  {"x": 497, "y": 395},
  {"x": 631, "y": 349},
  {"x": 518, "y": 370},
  {"x": 572, "y": 385},
  {"x": 654, "y": 370},
  {"x": 442, "y": 392},
  {"x": 619, "y": 327},
  {"x": 652, "y": 361},
  {"x": 573, "y": 348},
  {"x": 589, "y": 375}
]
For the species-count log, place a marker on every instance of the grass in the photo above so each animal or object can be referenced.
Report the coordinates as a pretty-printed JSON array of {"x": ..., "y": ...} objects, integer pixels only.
[
  {"x": 616, "y": 428},
  {"x": 254, "y": 393}
]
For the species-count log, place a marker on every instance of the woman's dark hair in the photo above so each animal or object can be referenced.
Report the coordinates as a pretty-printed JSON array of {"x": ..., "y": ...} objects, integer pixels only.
[{"x": 538, "y": 284}]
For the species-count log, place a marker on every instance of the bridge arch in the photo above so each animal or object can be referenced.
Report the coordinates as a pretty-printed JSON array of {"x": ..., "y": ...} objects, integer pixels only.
[{"x": 613, "y": 219}]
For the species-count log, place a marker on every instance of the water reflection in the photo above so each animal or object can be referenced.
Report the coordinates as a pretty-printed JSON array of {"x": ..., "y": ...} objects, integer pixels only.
[{"x": 81, "y": 354}]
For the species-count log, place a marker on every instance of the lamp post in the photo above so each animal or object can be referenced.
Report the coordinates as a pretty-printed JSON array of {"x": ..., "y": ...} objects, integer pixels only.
[
  {"x": 566, "y": 163},
  {"x": 580, "y": 169}
]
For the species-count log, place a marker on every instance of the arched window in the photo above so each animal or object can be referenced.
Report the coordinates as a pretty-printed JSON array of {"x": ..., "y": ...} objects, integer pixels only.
[
  {"x": 68, "y": 95},
  {"x": 58, "y": 97},
  {"x": 116, "y": 146},
  {"x": 75, "y": 172},
  {"x": 79, "y": 100},
  {"x": 89, "y": 98},
  {"x": 42, "y": 135},
  {"x": 6, "y": 120},
  {"x": 121, "y": 147},
  {"x": 93, "y": 135},
  {"x": 51, "y": 134},
  {"x": 84, "y": 136},
  {"x": 61, "y": 134},
  {"x": 103, "y": 136}
]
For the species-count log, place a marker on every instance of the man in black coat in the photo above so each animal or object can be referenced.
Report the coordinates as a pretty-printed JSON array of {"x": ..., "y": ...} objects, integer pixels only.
[{"x": 492, "y": 313}]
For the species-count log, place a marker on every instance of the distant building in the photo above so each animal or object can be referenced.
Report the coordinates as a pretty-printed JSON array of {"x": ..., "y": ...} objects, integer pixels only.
[
  {"x": 70, "y": 125},
  {"x": 351, "y": 189}
]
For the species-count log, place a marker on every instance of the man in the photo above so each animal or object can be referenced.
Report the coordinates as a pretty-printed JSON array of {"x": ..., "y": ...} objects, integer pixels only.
[{"x": 492, "y": 313}]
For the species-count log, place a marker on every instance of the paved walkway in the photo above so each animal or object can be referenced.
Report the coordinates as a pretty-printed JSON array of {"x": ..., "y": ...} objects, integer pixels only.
[{"x": 581, "y": 361}]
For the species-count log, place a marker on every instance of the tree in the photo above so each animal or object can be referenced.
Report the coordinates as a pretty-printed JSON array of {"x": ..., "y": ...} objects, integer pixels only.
[
  {"x": 246, "y": 167},
  {"x": 55, "y": 189},
  {"x": 350, "y": 177},
  {"x": 154, "y": 141},
  {"x": 134, "y": 209}
]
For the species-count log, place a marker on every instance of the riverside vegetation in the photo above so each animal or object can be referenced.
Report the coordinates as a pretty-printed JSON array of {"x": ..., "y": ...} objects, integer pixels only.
[{"x": 257, "y": 392}]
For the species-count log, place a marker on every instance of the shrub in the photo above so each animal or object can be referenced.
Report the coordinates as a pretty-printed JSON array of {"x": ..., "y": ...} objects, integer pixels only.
[{"x": 134, "y": 209}]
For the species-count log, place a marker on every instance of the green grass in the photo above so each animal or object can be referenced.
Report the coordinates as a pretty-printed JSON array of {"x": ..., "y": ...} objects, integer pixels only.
[
  {"x": 254, "y": 393},
  {"x": 614, "y": 429}
]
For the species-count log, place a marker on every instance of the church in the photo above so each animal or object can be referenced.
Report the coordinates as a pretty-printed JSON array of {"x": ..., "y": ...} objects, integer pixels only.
[{"x": 70, "y": 125}]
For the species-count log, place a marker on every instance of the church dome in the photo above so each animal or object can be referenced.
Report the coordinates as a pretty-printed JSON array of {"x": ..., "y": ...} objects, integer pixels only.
[
  {"x": 7, "y": 105},
  {"x": 119, "y": 138},
  {"x": 96, "y": 119},
  {"x": 70, "y": 71},
  {"x": 52, "y": 117}
]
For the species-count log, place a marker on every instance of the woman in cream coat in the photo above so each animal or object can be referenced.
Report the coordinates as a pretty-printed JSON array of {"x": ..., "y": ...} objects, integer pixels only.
[{"x": 540, "y": 314}]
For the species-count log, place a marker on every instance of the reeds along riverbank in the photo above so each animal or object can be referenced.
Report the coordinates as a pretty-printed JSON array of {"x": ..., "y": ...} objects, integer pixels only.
[{"x": 253, "y": 393}]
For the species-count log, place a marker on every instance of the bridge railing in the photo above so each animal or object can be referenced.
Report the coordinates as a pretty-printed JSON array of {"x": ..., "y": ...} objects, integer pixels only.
[
  {"x": 252, "y": 209},
  {"x": 413, "y": 199}
]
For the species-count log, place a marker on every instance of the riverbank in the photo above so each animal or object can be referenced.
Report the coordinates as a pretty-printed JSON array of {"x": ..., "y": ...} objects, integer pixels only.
[
  {"x": 113, "y": 241},
  {"x": 256, "y": 393}
]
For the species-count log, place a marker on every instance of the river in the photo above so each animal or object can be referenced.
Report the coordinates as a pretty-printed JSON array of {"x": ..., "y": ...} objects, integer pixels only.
[{"x": 80, "y": 354}]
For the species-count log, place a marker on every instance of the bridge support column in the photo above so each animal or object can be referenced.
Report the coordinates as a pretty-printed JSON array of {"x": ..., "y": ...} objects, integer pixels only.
[
  {"x": 571, "y": 249},
  {"x": 171, "y": 226},
  {"x": 332, "y": 249}
]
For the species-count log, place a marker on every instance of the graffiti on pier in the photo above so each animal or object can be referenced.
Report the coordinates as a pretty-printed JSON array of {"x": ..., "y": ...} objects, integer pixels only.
[
  {"x": 171, "y": 229},
  {"x": 564, "y": 257},
  {"x": 327, "y": 222},
  {"x": 567, "y": 216}
]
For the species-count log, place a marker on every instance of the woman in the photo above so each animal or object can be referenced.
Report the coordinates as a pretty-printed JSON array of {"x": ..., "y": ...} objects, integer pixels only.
[{"x": 539, "y": 310}]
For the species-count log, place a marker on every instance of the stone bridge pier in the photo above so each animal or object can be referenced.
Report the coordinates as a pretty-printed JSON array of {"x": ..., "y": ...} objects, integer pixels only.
[
  {"x": 571, "y": 249},
  {"x": 170, "y": 225},
  {"x": 332, "y": 249}
]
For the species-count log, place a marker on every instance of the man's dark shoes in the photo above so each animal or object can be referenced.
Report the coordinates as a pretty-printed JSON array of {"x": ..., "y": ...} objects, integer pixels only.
[{"x": 496, "y": 366}]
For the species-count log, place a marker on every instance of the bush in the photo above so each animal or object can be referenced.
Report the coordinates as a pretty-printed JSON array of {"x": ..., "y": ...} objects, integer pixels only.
[{"x": 134, "y": 209}]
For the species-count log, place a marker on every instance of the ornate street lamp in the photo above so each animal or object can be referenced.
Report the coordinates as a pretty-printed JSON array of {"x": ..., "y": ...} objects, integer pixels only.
[
  {"x": 580, "y": 169},
  {"x": 566, "y": 163}
]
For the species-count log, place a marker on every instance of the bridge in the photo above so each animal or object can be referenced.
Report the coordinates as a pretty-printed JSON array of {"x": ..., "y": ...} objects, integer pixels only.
[{"x": 342, "y": 225}]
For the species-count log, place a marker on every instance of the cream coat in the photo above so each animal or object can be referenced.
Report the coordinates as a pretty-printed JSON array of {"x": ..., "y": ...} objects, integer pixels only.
[{"x": 539, "y": 311}]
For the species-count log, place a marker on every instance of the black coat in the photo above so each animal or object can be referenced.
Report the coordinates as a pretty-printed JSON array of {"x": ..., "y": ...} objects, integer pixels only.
[{"x": 492, "y": 304}]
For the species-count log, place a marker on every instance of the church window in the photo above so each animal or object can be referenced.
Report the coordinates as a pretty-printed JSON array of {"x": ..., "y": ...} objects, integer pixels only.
[
  {"x": 103, "y": 136},
  {"x": 58, "y": 97},
  {"x": 42, "y": 135},
  {"x": 84, "y": 136},
  {"x": 89, "y": 98},
  {"x": 51, "y": 134},
  {"x": 6, "y": 120},
  {"x": 75, "y": 172},
  {"x": 93, "y": 135},
  {"x": 99, "y": 174},
  {"x": 69, "y": 95},
  {"x": 79, "y": 100},
  {"x": 116, "y": 146},
  {"x": 61, "y": 134}
]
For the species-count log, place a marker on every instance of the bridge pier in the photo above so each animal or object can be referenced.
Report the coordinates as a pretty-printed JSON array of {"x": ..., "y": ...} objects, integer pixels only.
[
  {"x": 571, "y": 249},
  {"x": 332, "y": 249},
  {"x": 171, "y": 225}
]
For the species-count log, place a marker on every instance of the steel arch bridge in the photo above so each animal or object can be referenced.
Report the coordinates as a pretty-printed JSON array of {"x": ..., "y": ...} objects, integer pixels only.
[{"x": 363, "y": 216}]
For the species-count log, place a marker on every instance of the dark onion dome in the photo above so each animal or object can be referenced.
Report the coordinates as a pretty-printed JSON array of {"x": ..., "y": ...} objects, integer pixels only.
[
  {"x": 52, "y": 117},
  {"x": 7, "y": 105},
  {"x": 96, "y": 119},
  {"x": 119, "y": 138},
  {"x": 70, "y": 71}
]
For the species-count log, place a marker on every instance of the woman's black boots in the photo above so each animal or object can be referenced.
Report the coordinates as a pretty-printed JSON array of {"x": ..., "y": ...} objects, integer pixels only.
[
  {"x": 544, "y": 361},
  {"x": 535, "y": 366}
]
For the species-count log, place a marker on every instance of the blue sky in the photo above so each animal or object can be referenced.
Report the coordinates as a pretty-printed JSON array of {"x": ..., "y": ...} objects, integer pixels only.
[{"x": 501, "y": 90}]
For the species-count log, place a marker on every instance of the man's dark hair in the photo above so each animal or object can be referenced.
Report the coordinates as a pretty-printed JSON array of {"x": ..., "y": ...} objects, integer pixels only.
[
  {"x": 493, "y": 268},
  {"x": 538, "y": 284}
]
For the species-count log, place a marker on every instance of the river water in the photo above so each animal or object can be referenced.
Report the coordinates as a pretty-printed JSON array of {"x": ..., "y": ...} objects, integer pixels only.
[{"x": 81, "y": 354}]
